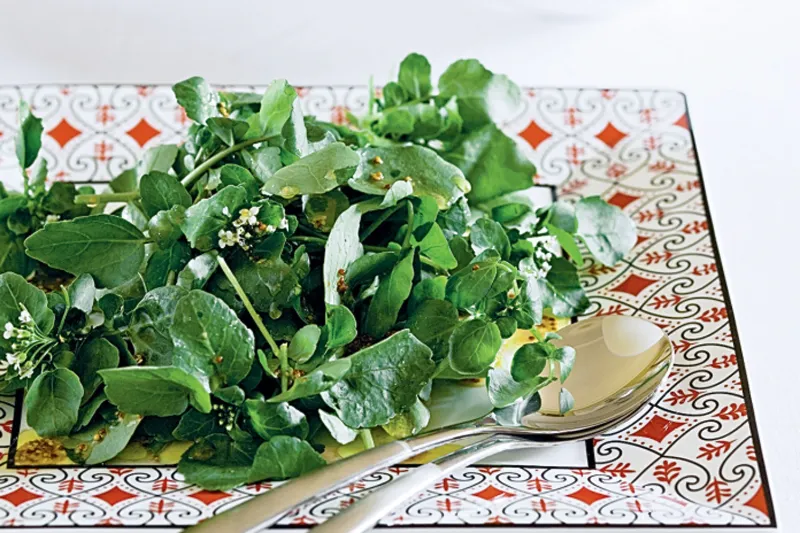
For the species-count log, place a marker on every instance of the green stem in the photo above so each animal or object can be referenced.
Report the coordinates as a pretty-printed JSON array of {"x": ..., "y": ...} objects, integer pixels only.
[
  {"x": 537, "y": 334},
  {"x": 410, "y": 225},
  {"x": 312, "y": 240},
  {"x": 249, "y": 306},
  {"x": 104, "y": 198},
  {"x": 378, "y": 221},
  {"x": 371, "y": 105},
  {"x": 65, "y": 293},
  {"x": 171, "y": 275},
  {"x": 203, "y": 167},
  {"x": 425, "y": 261},
  {"x": 283, "y": 358},
  {"x": 366, "y": 438}
]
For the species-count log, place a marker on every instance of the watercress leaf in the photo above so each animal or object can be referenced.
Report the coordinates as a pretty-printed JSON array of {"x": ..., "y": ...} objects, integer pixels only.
[
  {"x": 509, "y": 212},
  {"x": 271, "y": 248},
  {"x": 384, "y": 380},
  {"x": 198, "y": 271},
  {"x": 207, "y": 217},
  {"x": 52, "y": 402},
  {"x": 567, "y": 242},
  {"x": 395, "y": 122},
  {"x": 84, "y": 448},
  {"x": 565, "y": 401},
  {"x": 607, "y": 231},
  {"x": 483, "y": 97},
  {"x": 430, "y": 175},
  {"x": 276, "y": 107},
  {"x": 408, "y": 423},
  {"x": 105, "y": 246},
  {"x": 88, "y": 410},
  {"x": 338, "y": 429},
  {"x": 393, "y": 94},
  {"x": 269, "y": 284},
  {"x": 504, "y": 390},
  {"x": 230, "y": 131},
  {"x": 263, "y": 161},
  {"x": 507, "y": 326},
  {"x": 304, "y": 343},
  {"x": 316, "y": 173},
  {"x": 156, "y": 159},
  {"x": 528, "y": 305},
  {"x": 12, "y": 254},
  {"x": 426, "y": 289},
  {"x": 561, "y": 214},
  {"x": 435, "y": 247},
  {"x": 320, "y": 379},
  {"x": 474, "y": 345},
  {"x": 562, "y": 291},
  {"x": 486, "y": 234},
  {"x": 197, "y": 98},
  {"x": 397, "y": 191},
  {"x": 17, "y": 294},
  {"x": 60, "y": 198},
  {"x": 284, "y": 457},
  {"x": 162, "y": 262},
  {"x": 367, "y": 267},
  {"x": 81, "y": 293},
  {"x": 161, "y": 191},
  {"x": 210, "y": 341},
  {"x": 322, "y": 210},
  {"x": 415, "y": 76},
  {"x": 393, "y": 290},
  {"x": 231, "y": 174},
  {"x": 432, "y": 322},
  {"x": 566, "y": 357},
  {"x": 195, "y": 425},
  {"x": 462, "y": 251},
  {"x": 478, "y": 280},
  {"x": 454, "y": 220},
  {"x": 232, "y": 395},
  {"x": 492, "y": 163},
  {"x": 160, "y": 390},
  {"x": 150, "y": 322},
  {"x": 217, "y": 462},
  {"x": 94, "y": 355},
  {"x": 340, "y": 326},
  {"x": 295, "y": 135},
  {"x": 343, "y": 248},
  {"x": 425, "y": 211},
  {"x": 529, "y": 361},
  {"x": 29, "y": 138},
  {"x": 269, "y": 420}
]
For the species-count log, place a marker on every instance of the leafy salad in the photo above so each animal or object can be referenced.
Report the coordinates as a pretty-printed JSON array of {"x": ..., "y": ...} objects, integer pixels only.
[{"x": 275, "y": 277}]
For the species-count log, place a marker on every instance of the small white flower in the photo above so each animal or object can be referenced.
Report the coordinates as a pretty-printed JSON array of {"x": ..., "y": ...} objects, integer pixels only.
[
  {"x": 226, "y": 238},
  {"x": 25, "y": 317},
  {"x": 10, "y": 330},
  {"x": 12, "y": 359},
  {"x": 270, "y": 229},
  {"x": 284, "y": 224},
  {"x": 248, "y": 217},
  {"x": 28, "y": 372},
  {"x": 52, "y": 218}
]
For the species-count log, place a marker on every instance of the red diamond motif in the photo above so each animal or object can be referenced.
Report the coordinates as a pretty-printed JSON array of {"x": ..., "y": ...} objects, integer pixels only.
[
  {"x": 683, "y": 122},
  {"x": 621, "y": 200},
  {"x": 115, "y": 495},
  {"x": 758, "y": 501},
  {"x": 63, "y": 133},
  {"x": 633, "y": 285},
  {"x": 587, "y": 496},
  {"x": 534, "y": 135},
  {"x": 657, "y": 428},
  {"x": 19, "y": 496},
  {"x": 209, "y": 496},
  {"x": 491, "y": 493},
  {"x": 611, "y": 135},
  {"x": 142, "y": 132}
]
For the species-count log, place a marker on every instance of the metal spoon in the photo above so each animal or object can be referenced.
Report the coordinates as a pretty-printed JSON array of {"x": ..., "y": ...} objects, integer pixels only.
[{"x": 620, "y": 362}]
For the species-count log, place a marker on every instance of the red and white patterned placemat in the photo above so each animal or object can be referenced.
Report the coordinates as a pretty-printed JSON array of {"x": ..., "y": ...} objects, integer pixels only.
[{"x": 692, "y": 459}]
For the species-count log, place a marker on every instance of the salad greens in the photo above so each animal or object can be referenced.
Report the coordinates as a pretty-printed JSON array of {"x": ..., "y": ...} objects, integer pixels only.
[{"x": 277, "y": 276}]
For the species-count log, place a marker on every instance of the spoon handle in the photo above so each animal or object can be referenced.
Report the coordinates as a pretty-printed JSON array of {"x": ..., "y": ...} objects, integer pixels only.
[
  {"x": 365, "y": 513},
  {"x": 264, "y": 510}
]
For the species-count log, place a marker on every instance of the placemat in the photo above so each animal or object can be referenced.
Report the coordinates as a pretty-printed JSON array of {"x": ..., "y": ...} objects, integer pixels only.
[{"x": 692, "y": 459}]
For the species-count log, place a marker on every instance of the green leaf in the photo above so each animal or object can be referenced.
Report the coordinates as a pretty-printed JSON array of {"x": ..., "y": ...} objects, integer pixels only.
[
  {"x": 565, "y": 401},
  {"x": 320, "y": 379},
  {"x": 504, "y": 390},
  {"x": 205, "y": 218},
  {"x": 88, "y": 410},
  {"x": 237, "y": 175},
  {"x": 116, "y": 434},
  {"x": 216, "y": 462},
  {"x": 196, "y": 425},
  {"x": 562, "y": 290},
  {"x": 229, "y": 131},
  {"x": 566, "y": 357},
  {"x": 427, "y": 289},
  {"x": 304, "y": 343},
  {"x": 95, "y": 355},
  {"x": 232, "y": 395},
  {"x": 284, "y": 457},
  {"x": 383, "y": 380},
  {"x": 396, "y": 122},
  {"x": 197, "y": 98},
  {"x": 567, "y": 242},
  {"x": 607, "y": 231},
  {"x": 488, "y": 234},
  {"x": 393, "y": 290},
  {"x": 322, "y": 210},
  {"x": 340, "y": 326},
  {"x": 316, "y": 173},
  {"x": 527, "y": 306},
  {"x": 161, "y": 191},
  {"x": 105, "y": 246},
  {"x": 198, "y": 271},
  {"x": 272, "y": 419},
  {"x": 562, "y": 215},
  {"x": 507, "y": 326},
  {"x": 474, "y": 345},
  {"x": 160, "y": 391},
  {"x": 478, "y": 280},
  {"x": 29, "y": 138},
  {"x": 17, "y": 294},
  {"x": 210, "y": 341},
  {"x": 162, "y": 262},
  {"x": 529, "y": 361},
  {"x": 269, "y": 284},
  {"x": 276, "y": 107},
  {"x": 81, "y": 293},
  {"x": 483, "y": 97},
  {"x": 432, "y": 322},
  {"x": 150, "y": 322},
  {"x": 52, "y": 402},
  {"x": 263, "y": 161},
  {"x": 409, "y": 423},
  {"x": 367, "y": 267},
  {"x": 156, "y": 159},
  {"x": 509, "y": 212},
  {"x": 338, "y": 429},
  {"x": 430, "y": 175},
  {"x": 435, "y": 247},
  {"x": 492, "y": 163},
  {"x": 60, "y": 198},
  {"x": 415, "y": 76}
]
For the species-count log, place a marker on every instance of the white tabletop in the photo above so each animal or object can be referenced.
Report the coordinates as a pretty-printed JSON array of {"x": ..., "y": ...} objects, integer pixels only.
[{"x": 738, "y": 63}]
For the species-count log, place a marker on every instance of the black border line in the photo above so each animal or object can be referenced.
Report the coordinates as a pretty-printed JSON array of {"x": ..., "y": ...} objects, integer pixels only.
[{"x": 760, "y": 460}]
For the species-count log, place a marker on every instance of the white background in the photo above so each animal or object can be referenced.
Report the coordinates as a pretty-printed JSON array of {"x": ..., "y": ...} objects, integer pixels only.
[{"x": 738, "y": 63}]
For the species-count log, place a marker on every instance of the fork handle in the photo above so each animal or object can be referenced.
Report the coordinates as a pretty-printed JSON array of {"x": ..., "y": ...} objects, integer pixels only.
[
  {"x": 365, "y": 513},
  {"x": 264, "y": 510}
]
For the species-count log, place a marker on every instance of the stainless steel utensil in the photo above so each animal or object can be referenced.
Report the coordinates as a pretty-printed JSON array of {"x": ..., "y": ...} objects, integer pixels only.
[{"x": 620, "y": 362}]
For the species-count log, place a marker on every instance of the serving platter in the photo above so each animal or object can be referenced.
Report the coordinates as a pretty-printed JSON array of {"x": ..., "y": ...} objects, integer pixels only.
[{"x": 692, "y": 458}]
